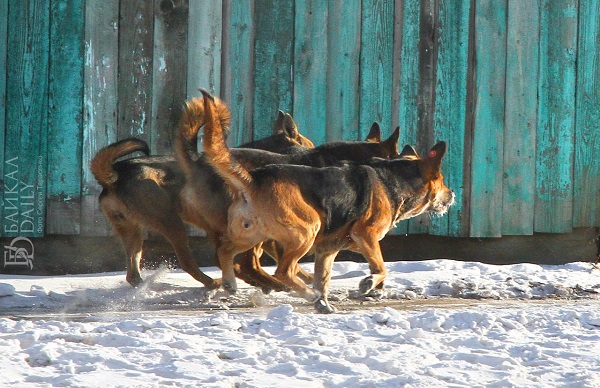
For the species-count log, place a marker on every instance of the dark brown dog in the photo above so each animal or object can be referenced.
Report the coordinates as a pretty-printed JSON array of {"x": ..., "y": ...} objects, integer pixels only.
[
  {"x": 144, "y": 192},
  {"x": 323, "y": 210},
  {"x": 206, "y": 200}
]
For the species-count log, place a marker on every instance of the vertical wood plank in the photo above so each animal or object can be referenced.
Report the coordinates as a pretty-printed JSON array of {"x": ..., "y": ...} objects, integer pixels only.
[
  {"x": 67, "y": 33},
  {"x": 587, "y": 127},
  {"x": 204, "y": 46},
  {"x": 99, "y": 103},
  {"x": 3, "y": 72},
  {"x": 310, "y": 68},
  {"x": 408, "y": 103},
  {"x": 135, "y": 68},
  {"x": 518, "y": 193},
  {"x": 169, "y": 87},
  {"x": 343, "y": 70},
  {"x": 273, "y": 55},
  {"x": 450, "y": 108},
  {"x": 237, "y": 82},
  {"x": 556, "y": 117},
  {"x": 376, "y": 64},
  {"x": 488, "y": 134},
  {"x": 26, "y": 119}
]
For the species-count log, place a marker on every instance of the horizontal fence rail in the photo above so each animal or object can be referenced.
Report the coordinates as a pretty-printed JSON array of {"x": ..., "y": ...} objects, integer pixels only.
[{"x": 512, "y": 86}]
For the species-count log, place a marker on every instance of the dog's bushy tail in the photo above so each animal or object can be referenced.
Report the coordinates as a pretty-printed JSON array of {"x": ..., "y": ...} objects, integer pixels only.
[
  {"x": 192, "y": 118},
  {"x": 215, "y": 148},
  {"x": 102, "y": 164}
]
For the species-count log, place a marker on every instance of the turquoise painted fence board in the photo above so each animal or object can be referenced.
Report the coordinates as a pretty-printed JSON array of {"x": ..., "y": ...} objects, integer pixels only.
[
  {"x": 586, "y": 209},
  {"x": 205, "y": 28},
  {"x": 169, "y": 86},
  {"x": 488, "y": 137},
  {"x": 376, "y": 64},
  {"x": 26, "y": 119},
  {"x": 238, "y": 67},
  {"x": 450, "y": 108},
  {"x": 409, "y": 91},
  {"x": 343, "y": 70},
  {"x": 99, "y": 103},
  {"x": 65, "y": 121},
  {"x": 522, "y": 55},
  {"x": 3, "y": 71},
  {"x": 310, "y": 68},
  {"x": 556, "y": 121},
  {"x": 273, "y": 56},
  {"x": 136, "y": 22}
]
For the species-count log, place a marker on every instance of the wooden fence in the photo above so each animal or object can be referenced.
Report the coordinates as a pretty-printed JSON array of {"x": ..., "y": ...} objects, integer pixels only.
[{"x": 513, "y": 86}]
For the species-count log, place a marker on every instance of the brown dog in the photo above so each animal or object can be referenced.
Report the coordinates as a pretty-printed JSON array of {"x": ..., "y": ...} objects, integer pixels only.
[
  {"x": 324, "y": 210},
  {"x": 144, "y": 192},
  {"x": 206, "y": 199}
]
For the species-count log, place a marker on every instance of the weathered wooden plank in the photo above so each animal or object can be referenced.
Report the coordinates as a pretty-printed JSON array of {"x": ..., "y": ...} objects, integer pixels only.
[
  {"x": 237, "y": 83},
  {"x": 204, "y": 46},
  {"x": 99, "y": 103},
  {"x": 169, "y": 88},
  {"x": 586, "y": 208},
  {"x": 273, "y": 55},
  {"x": 310, "y": 68},
  {"x": 522, "y": 56},
  {"x": 488, "y": 134},
  {"x": 343, "y": 70},
  {"x": 376, "y": 64},
  {"x": 556, "y": 116},
  {"x": 26, "y": 119},
  {"x": 408, "y": 91},
  {"x": 422, "y": 134},
  {"x": 65, "y": 121},
  {"x": 136, "y": 22},
  {"x": 3, "y": 72},
  {"x": 450, "y": 108}
]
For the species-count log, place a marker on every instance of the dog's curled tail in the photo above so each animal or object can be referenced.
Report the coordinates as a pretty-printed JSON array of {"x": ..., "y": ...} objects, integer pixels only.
[
  {"x": 215, "y": 148},
  {"x": 102, "y": 164},
  {"x": 192, "y": 118}
]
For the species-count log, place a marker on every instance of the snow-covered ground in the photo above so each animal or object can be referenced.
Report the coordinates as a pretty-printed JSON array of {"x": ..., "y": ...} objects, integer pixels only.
[{"x": 438, "y": 323}]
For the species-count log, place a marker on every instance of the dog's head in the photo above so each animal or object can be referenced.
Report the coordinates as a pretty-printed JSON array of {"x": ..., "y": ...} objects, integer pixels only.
[{"x": 439, "y": 196}]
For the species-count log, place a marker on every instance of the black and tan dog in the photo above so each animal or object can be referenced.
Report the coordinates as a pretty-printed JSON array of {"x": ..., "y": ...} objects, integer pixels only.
[
  {"x": 144, "y": 193},
  {"x": 206, "y": 198},
  {"x": 323, "y": 210}
]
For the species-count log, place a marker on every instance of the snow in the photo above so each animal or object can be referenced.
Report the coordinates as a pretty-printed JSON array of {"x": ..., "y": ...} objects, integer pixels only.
[{"x": 437, "y": 323}]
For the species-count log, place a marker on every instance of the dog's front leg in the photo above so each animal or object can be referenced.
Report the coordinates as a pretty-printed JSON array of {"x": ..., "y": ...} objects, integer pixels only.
[
  {"x": 322, "y": 278},
  {"x": 368, "y": 245}
]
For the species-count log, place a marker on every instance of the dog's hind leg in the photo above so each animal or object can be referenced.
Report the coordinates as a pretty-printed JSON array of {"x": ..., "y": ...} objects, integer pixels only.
[
  {"x": 288, "y": 267},
  {"x": 274, "y": 251},
  {"x": 176, "y": 233},
  {"x": 132, "y": 238},
  {"x": 250, "y": 270},
  {"x": 323, "y": 267}
]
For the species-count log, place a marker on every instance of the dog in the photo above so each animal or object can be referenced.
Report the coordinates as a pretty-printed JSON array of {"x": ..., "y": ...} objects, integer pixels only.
[
  {"x": 322, "y": 210},
  {"x": 144, "y": 192},
  {"x": 206, "y": 200}
]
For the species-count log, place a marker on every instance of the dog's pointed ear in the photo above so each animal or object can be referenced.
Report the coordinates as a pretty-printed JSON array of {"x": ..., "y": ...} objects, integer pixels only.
[
  {"x": 278, "y": 124},
  {"x": 374, "y": 135},
  {"x": 290, "y": 127},
  {"x": 409, "y": 151},
  {"x": 432, "y": 164},
  {"x": 392, "y": 141}
]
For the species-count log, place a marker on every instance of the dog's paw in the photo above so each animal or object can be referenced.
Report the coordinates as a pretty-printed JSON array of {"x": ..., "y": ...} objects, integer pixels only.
[
  {"x": 230, "y": 287},
  {"x": 323, "y": 307},
  {"x": 134, "y": 280},
  {"x": 215, "y": 284},
  {"x": 366, "y": 285}
]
